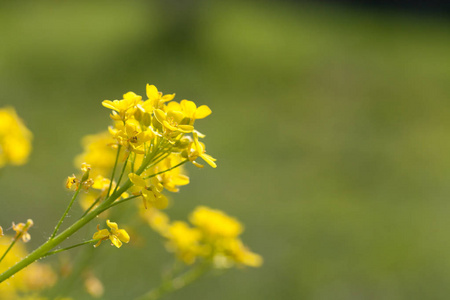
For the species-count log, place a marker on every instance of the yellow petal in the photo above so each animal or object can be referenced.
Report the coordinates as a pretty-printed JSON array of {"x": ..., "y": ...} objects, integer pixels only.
[
  {"x": 160, "y": 115},
  {"x": 161, "y": 202},
  {"x": 185, "y": 128},
  {"x": 189, "y": 108},
  {"x": 101, "y": 234},
  {"x": 112, "y": 225},
  {"x": 202, "y": 112},
  {"x": 109, "y": 104},
  {"x": 115, "y": 241},
  {"x": 180, "y": 179},
  {"x": 167, "y": 97},
  {"x": 152, "y": 92},
  {"x": 123, "y": 235},
  {"x": 209, "y": 159},
  {"x": 137, "y": 180}
]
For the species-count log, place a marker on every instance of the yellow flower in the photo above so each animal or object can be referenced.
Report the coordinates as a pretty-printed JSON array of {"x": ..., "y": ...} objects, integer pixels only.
[
  {"x": 1, "y": 231},
  {"x": 173, "y": 178},
  {"x": 150, "y": 193},
  {"x": 21, "y": 230},
  {"x": 197, "y": 149},
  {"x": 131, "y": 136},
  {"x": 184, "y": 241},
  {"x": 193, "y": 112},
  {"x": 172, "y": 121},
  {"x": 215, "y": 223},
  {"x": 15, "y": 138},
  {"x": 72, "y": 181},
  {"x": 155, "y": 98},
  {"x": 121, "y": 107},
  {"x": 116, "y": 235}
]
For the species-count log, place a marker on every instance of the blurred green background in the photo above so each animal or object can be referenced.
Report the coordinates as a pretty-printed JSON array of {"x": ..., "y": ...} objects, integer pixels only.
[{"x": 330, "y": 126}]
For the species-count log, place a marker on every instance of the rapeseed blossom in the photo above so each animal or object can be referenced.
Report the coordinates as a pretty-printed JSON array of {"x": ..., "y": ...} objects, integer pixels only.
[
  {"x": 15, "y": 138},
  {"x": 214, "y": 236},
  {"x": 115, "y": 235}
]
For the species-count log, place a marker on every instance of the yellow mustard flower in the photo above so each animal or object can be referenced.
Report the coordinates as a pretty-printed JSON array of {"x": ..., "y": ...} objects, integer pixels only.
[
  {"x": 155, "y": 98},
  {"x": 116, "y": 235},
  {"x": 131, "y": 135},
  {"x": 21, "y": 230},
  {"x": 1, "y": 231},
  {"x": 215, "y": 223},
  {"x": 195, "y": 150},
  {"x": 150, "y": 193},
  {"x": 15, "y": 138},
  {"x": 72, "y": 182},
  {"x": 121, "y": 107},
  {"x": 193, "y": 112},
  {"x": 172, "y": 121}
]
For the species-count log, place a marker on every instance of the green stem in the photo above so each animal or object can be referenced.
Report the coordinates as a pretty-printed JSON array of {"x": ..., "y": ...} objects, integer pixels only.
[
  {"x": 121, "y": 174},
  {"x": 92, "y": 206},
  {"x": 176, "y": 283},
  {"x": 123, "y": 200},
  {"x": 68, "y": 248},
  {"x": 67, "y": 211},
  {"x": 153, "y": 175},
  {"x": 114, "y": 169}
]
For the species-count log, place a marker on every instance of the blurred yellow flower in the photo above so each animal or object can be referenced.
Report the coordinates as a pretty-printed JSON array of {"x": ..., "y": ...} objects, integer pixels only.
[{"x": 15, "y": 138}]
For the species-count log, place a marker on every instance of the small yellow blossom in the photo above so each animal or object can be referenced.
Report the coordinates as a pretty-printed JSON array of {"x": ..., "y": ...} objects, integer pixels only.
[
  {"x": 193, "y": 112},
  {"x": 21, "y": 230},
  {"x": 72, "y": 181},
  {"x": 150, "y": 193},
  {"x": 155, "y": 98},
  {"x": 15, "y": 138},
  {"x": 121, "y": 107},
  {"x": 172, "y": 121},
  {"x": 116, "y": 235},
  {"x": 1, "y": 231},
  {"x": 197, "y": 149},
  {"x": 131, "y": 135}
]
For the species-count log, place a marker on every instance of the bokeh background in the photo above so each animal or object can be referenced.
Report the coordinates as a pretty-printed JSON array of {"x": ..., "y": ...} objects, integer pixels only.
[{"x": 330, "y": 124}]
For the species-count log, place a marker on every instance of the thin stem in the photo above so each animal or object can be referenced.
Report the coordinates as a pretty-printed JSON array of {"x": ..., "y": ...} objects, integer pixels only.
[
  {"x": 67, "y": 211},
  {"x": 9, "y": 248},
  {"x": 176, "y": 283},
  {"x": 121, "y": 174},
  {"x": 114, "y": 169},
  {"x": 123, "y": 200},
  {"x": 68, "y": 248},
  {"x": 181, "y": 163},
  {"x": 92, "y": 206}
]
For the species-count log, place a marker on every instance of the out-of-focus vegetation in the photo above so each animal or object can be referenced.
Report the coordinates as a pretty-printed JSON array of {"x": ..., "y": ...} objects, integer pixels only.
[{"x": 330, "y": 127}]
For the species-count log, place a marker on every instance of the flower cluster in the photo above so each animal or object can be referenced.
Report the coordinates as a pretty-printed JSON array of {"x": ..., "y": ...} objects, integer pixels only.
[
  {"x": 154, "y": 137},
  {"x": 15, "y": 138},
  {"x": 214, "y": 236}
]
